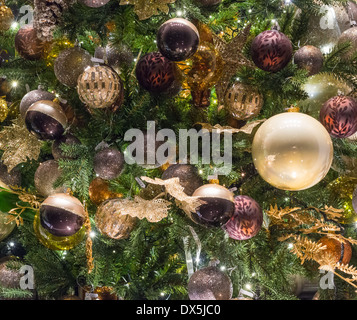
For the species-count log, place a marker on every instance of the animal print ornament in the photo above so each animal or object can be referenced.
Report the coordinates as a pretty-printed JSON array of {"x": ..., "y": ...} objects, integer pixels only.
[
  {"x": 271, "y": 50},
  {"x": 247, "y": 219},
  {"x": 155, "y": 73},
  {"x": 339, "y": 116}
]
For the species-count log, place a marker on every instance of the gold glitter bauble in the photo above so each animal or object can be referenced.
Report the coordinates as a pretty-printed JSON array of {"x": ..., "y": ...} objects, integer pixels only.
[
  {"x": 99, "y": 87},
  {"x": 6, "y": 17},
  {"x": 4, "y": 110},
  {"x": 243, "y": 101},
  {"x": 292, "y": 151},
  {"x": 112, "y": 222},
  {"x": 54, "y": 242},
  {"x": 99, "y": 191},
  {"x": 342, "y": 189},
  {"x": 5, "y": 227}
]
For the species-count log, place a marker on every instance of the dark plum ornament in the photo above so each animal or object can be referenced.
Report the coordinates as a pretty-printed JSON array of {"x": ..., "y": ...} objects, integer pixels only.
[
  {"x": 108, "y": 163},
  {"x": 155, "y": 73},
  {"x": 271, "y": 50},
  {"x": 247, "y": 219},
  {"x": 62, "y": 215},
  {"x": 178, "y": 39},
  {"x": 46, "y": 120},
  {"x": 339, "y": 116},
  {"x": 217, "y": 205}
]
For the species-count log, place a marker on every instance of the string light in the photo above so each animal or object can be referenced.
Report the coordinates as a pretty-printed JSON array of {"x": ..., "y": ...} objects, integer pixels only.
[
  {"x": 223, "y": 268},
  {"x": 290, "y": 246},
  {"x": 14, "y": 84},
  {"x": 14, "y": 25},
  {"x": 92, "y": 234},
  {"x": 248, "y": 286}
]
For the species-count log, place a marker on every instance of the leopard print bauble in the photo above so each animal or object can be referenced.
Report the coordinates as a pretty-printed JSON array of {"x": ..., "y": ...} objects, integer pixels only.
[
  {"x": 28, "y": 45},
  {"x": 339, "y": 116},
  {"x": 271, "y": 50},
  {"x": 247, "y": 219},
  {"x": 155, "y": 73}
]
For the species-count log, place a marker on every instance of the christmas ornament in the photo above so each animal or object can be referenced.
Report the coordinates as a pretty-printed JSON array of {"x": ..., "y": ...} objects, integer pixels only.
[
  {"x": 233, "y": 58},
  {"x": 177, "y": 39},
  {"x": 10, "y": 274},
  {"x": 190, "y": 180},
  {"x": 342, "y": 190},
  {"x": 46, "y": 176},
  {"x": 321, "y": 87},
  {"x": 203, "y": 69},
  {"x": 271, "y": 50},
  {"x": 243, "y": 101},
  {"x": 54, "y": 242},
  {"x": 116, "y": 56},
  {"x": 62, "y": 215},
  {"x": 112, "y": 222},
  {"x": 98, "y": 293},
  {"x": 19, "y": 144},
  {"x": 33, "y": 96},
  {"x": 28, "y": 45},
  {"x": 309, "y": 58},
  {"x": 292, "y": 151},
  {"x": 349, "y": 36},
  {"x": 47, "y": 15},
  {"x": 6, "y": 227},
  {"x": 335, "y": 251},
  {"x": 146, "y": 9},
  {"x": 108, "y": 163},
  {"x": 155, "y": 73},
  {"x": 46, "y": 120},
  {"x": 217, "y": 205},
  {"x": 55, "y": 48},
  {"x": 6, "y": 16},
  {"x": 209, "y": 284},
  {"x": 67, "y": 139},
  {"x": 94, "y": 3},
  {"x": 70, "y": 64},
  {"x": 208, "y": 3},
  {"x": 4, "y": 110},
  {"x": 99, "y": 86},
  {"x": 247, "y": 219},
  {"x": 10, "y": 178},
  {"x": 339, "y": 116},
  {"x": 99, "y": 191},
  {"x": 5, "y": 86},
  {"x": 201, "y": 98}
]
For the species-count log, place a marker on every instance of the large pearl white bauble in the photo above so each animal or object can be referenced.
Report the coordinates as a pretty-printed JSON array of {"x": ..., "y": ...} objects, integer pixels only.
[{"x": 292, "y": 151}]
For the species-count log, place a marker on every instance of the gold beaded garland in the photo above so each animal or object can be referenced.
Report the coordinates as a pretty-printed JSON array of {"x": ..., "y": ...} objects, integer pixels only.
[{"x": 99, "y": 86}]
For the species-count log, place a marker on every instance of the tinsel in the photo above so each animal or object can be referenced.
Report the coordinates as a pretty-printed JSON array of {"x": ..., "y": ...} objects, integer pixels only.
[
  {"x": 18, "y": 144},
  {"x": 148, "y": 8}
]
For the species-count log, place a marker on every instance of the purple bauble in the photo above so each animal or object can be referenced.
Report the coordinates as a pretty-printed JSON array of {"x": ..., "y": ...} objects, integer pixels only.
[
  {"x": 247, "y": 219},
  {"x": 339, "y": 116},
  {"x": 271, "y": 50}
]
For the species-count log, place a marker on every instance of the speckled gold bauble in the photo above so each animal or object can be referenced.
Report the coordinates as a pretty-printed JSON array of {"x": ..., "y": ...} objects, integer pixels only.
[
  {"x": 309, "y": 58},
  {"x": 99, "y": 191},
  {"x": 99, "y": 86},
  {"x": 342, "y": 189},
  {"x": 243, "y": 101},
  {"x": 210, "y": 284},
  {"x": 57, "y": 243},
  {"x": 46, "y": 176},
  {"x": 70, "y": 64},
  {"x": 335, "y": 251},
  {"x": 6, "y": 17},
  {"x": 112, "y": 222},
  {"x": 4, "y": 110},
  {"x": 349, "y": 36},
  {"x": 5, "y": 227},
  {"x": 203, "y": 69},
  {"x": 321, "y": 87}
]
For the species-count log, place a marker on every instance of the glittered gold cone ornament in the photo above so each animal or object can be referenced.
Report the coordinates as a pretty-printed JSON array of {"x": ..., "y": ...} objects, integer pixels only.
[
  {"x": 6, "y": 226},
  {"x": 6, "y": 16},
  {"x": 4, "y": 110},
  {"x": 112, "y": 222},
  {"x": 147, "y": 8},
  {"x": 292, "y": 151},
  {"x": 99, "y": 86}
]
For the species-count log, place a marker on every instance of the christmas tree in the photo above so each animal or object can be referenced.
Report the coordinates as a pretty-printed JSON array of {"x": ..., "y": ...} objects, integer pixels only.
[{"x": 178, "y": 149}]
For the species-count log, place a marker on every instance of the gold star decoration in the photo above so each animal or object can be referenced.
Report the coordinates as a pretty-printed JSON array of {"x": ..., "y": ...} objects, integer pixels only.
[
  {"x": 233, "y": 57},
  {"x": 18, "y": 144},
  {"x": 145, "y": 9}
]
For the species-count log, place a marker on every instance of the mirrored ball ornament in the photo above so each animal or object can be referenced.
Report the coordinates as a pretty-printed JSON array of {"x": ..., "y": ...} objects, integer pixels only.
[
  {"x": 217, "y": 205},
  {"x": 292, "y": 151},
  {"x": 210, "y": 283},
  {"x": 177, "y": 39}
]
